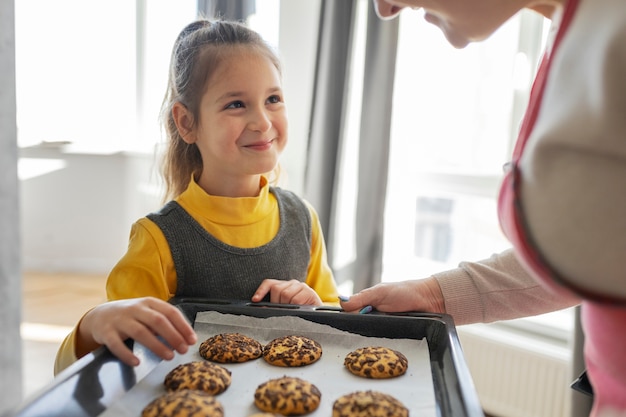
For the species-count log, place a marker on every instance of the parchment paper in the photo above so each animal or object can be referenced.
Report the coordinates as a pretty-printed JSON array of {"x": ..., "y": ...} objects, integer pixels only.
[{"x": 414, "y": 388}]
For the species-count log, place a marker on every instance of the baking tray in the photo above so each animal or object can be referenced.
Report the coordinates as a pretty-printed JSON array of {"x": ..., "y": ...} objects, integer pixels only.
[{"x": 93, "y": 383}]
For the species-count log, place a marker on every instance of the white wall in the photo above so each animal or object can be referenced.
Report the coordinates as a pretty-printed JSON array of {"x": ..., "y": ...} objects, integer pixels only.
[{"x": 77, "y": 216}]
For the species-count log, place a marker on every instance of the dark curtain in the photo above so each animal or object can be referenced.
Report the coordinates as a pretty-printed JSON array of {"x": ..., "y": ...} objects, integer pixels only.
[
  {"x": 328, "y": 109},
  {"x": 580, "y": 403},
  {"x": 376, "y": 110},
  {"x": 237, "y": 10},
  {"x": 325, "y": 140}
]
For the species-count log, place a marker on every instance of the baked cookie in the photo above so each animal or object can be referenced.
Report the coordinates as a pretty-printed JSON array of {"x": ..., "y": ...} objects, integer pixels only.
[
  {"x": 368, "y": 404},
  {"x": 230, "y": 348},
  {"x": 265, "y": 415},
  {"x": 184, "y": 403},
  {"x": 376, "y": 362},
  {"x": 290, "y": 351},
  {"x": 288, "y": 396},
  {"x": 198, "y": 375}
]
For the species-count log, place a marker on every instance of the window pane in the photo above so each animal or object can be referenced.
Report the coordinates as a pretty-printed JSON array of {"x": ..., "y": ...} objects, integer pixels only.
[
  {"x": 451, "y": 134},
  {"x": 452, "y": 108},
  {"x": 163, "y": 20},
  {"x": 455, "y": 117},
  {"x": 75, "y": 71}
]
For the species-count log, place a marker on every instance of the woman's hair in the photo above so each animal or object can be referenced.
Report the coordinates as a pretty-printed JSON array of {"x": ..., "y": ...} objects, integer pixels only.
[{"x": 195, "y": 56}]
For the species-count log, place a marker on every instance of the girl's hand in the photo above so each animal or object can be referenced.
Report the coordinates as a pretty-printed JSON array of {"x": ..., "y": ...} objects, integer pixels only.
[
  {"x": 156, "y": 324},
  {"x": 287, "y": 292}
]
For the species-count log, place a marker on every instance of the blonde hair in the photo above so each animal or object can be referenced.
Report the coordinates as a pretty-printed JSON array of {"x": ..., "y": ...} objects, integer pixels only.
[{"x": 195, "y": 56}]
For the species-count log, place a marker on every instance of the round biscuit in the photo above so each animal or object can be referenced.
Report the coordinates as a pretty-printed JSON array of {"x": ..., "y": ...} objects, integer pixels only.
[
  {"x": 368, "y": 404},
  {"x": 230, "y": 348},
  {"x": 291, "y": 351},
  {"x": 265, "y": 415},
  {"x": 184, "y": 403},
  {"x": 376, "y": 362},
  {"x": 289, "y": 396},
  {"x": 198, "y": 375}
]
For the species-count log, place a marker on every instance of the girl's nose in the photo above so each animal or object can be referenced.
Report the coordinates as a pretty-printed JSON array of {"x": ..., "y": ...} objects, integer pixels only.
[
  {"x": 385, "y": 10},
  {"x": 259, "y": 122}
]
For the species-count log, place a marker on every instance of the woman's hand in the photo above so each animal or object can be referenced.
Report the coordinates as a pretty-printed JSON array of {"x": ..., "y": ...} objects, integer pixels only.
[
  {"x": 287, "y": 292},
  {"x": 156, "y": 324},
  {"x": 416, "y": 295}
]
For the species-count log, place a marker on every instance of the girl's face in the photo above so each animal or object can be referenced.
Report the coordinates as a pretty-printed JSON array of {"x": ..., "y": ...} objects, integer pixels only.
[
  {"x": 242, "y": 126},
  {"x": 461, "y": 21}
]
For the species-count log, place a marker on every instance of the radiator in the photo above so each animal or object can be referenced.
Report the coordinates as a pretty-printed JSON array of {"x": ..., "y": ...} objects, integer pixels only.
[{"x": 517, "y": 375}]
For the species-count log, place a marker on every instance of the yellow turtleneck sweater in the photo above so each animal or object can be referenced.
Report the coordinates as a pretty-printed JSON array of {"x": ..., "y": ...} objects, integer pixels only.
[{"x": 147, "y": 268}]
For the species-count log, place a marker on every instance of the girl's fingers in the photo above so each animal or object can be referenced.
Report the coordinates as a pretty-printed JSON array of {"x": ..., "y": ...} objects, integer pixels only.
[
  {"x": 263, "y": 290},
  {"x": 163, "y": 329},
  {"x": 121, "y": 351},
  {"x": 174, "y": 327}
]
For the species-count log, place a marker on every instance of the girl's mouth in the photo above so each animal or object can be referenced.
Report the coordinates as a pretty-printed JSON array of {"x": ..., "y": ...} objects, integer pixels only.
[{"x": 260, "y": 146}]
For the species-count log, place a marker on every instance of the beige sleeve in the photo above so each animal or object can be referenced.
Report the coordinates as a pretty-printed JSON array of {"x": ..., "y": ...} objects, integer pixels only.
[{"x": 497, "y": 288}]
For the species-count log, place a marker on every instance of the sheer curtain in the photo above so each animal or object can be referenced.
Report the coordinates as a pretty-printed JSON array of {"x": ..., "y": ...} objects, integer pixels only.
[{"x": 328, "y": 110}]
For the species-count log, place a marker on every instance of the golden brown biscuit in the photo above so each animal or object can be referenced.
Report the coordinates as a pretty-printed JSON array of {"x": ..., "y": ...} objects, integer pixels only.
[
  {"x": 289, "y": 351},
  {"x": 368, "y": 404},
  {"x": 376, "y": 362},
  {"x": 288, "y": 396},
  {"x": 184, "y": 403},
  {"x": 265, "y": 415},
  {"x": 198, "y": 375},
  {"x": 230, "y": 348}
]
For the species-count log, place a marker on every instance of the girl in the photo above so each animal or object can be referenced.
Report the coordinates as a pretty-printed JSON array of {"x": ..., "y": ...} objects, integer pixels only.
[{"x": 226, "y": 233}]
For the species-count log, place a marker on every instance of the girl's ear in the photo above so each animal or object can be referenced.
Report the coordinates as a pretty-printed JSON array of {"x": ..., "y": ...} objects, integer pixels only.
[{"x": 184, "y": 122}]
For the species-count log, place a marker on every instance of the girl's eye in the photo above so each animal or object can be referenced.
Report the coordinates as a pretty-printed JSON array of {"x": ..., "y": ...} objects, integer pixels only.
[
  {"x": 235, "y": 105},
  {"x": 274, "y": 99}
]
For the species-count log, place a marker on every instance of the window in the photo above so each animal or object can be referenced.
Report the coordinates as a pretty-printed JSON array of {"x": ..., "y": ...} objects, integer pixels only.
[
  {"x": 75, "y": 70},
  {"x": 94, "y": 74},
  {"x": 91, "y": 73},
  {"x": 455, "y": 119},
  {"x": 451, "y": 134}
]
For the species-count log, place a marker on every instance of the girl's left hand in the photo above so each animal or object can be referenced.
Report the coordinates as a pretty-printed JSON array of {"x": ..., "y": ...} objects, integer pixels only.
[{"x": 287, "y": 292}]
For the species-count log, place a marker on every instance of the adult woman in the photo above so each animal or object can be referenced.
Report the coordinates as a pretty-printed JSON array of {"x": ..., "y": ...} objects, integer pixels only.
[{"x": 563, "y": 196}]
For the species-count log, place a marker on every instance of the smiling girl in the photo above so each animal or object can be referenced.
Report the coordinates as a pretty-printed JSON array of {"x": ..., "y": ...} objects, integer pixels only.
[{"x": 226, "y": 233}]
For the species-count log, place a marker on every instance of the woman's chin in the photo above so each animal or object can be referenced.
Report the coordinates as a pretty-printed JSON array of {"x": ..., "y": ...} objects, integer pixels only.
[{"x": 454, "y": 38}]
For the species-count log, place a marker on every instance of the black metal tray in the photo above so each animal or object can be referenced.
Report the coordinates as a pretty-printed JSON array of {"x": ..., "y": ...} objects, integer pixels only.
[{"x": 90, "y": 385}]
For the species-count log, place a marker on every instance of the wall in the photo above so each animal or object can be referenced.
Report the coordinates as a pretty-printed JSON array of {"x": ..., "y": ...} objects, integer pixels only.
[{"x": 76, "y": 215}]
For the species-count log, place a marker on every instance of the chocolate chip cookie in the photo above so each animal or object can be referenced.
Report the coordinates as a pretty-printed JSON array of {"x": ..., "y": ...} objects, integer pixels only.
[
  {"x": 230, "y": 348},
  {"x": 289, "y": 396},
  {"x": 184, "y": 403},
  {"x": 198, "y": 375},
  {"x": 265, "y": 415},
  {"x": 290, "y": 351},
  {"x": 376, "y": 362},
  {"x": 368, "y": 404}
]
